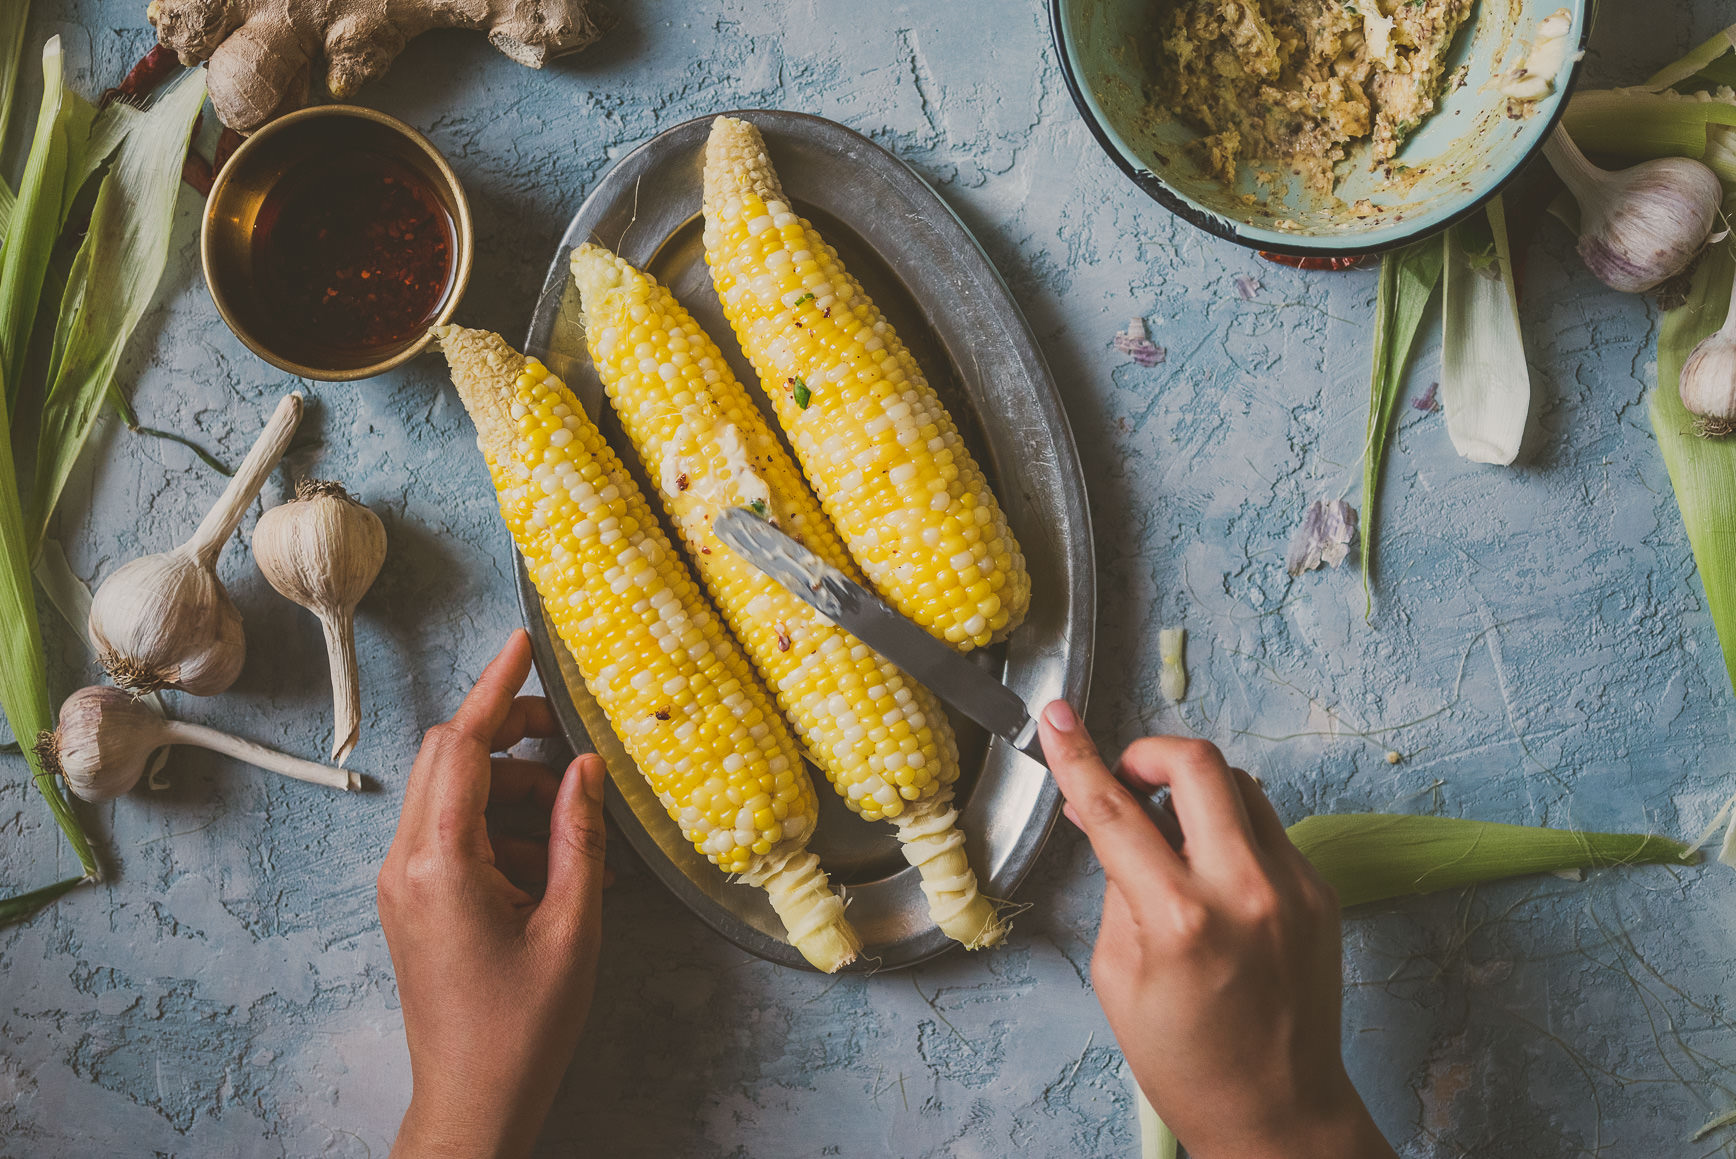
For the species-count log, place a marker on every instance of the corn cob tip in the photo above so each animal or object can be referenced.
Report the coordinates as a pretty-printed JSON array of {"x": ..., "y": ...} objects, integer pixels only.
[
  {"x": 483, "y": 366},
  {"x": 596, "y": 271},
  {"x": 736, "y": 163}
]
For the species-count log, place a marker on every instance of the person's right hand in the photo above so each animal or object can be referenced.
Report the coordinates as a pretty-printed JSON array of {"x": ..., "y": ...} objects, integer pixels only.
[{"x": 1218, "y": 964}]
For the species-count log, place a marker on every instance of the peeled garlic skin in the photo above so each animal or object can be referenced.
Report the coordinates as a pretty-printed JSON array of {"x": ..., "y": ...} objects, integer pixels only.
[
  {"x": 104, "y": 739},
  {"x": 1708, "y": 383},
  {"x": 165, "y": 621},
  {"x": 1652, "y": 224}
]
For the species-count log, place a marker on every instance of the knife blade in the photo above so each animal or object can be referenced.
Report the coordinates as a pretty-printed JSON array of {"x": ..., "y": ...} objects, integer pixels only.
[{"x": 946, "y": 673}]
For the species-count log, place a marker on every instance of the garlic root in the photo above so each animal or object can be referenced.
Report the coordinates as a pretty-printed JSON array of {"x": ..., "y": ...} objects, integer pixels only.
[
  {"x": 165, "y": 620},
  {"x": 322, "y": 550},
  {"x": 105, "y": 738}
]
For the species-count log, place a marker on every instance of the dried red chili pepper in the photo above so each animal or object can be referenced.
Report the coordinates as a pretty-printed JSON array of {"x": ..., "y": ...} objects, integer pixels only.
[{"x": 153, "y": 69}]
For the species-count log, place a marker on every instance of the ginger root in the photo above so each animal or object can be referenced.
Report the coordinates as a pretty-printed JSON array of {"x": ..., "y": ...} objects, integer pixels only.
[{"x": 262, "y": 50}]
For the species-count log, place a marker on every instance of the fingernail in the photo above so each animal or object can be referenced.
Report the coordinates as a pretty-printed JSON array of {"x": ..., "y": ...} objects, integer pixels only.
[
  {"x": 591, "y": 773},
  {"x": 1061, "y": 716}
]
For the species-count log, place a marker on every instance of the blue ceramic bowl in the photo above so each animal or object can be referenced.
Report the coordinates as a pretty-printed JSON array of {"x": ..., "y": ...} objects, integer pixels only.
[{"x": 1460, "y": 158}]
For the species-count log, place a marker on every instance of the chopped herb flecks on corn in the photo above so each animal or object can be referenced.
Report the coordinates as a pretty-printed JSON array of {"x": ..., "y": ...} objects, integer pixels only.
[
  {"x": 683, "y": 700},
  {"x": 881, "y": 739},
  {"x": 881, "y": 451}
]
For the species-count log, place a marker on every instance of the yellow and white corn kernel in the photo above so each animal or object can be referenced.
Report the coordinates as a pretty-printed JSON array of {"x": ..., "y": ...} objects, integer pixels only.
[
  {"x": 880, "y": 738},
  {"x": 880, "y": 449},
  {"x": 653, "y": 654}
]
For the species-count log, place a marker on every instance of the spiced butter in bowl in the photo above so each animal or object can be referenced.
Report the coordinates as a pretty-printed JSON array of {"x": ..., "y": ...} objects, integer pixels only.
[{"x": 333, "y": 239}]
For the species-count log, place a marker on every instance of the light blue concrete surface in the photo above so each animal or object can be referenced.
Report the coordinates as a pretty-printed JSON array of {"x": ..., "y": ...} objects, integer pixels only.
[{"x": 1540, "y": 652}]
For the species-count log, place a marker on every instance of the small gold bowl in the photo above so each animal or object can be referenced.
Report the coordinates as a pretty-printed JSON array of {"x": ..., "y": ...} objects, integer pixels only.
[{"x": 268, "y": 289}]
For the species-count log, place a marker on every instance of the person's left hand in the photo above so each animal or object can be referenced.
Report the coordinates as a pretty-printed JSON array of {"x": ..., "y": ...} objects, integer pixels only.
[{"x": 495, "y": 983}]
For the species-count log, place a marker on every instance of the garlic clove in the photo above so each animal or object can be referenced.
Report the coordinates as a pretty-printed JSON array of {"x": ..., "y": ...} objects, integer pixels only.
[
  {"x": 323, "y": 550},
  {"x": 165, "y": 621},
  {"x": 102, "y": 743},
  {"x": 105, "y": 737},
  {"x": 1708, "y": 380},
  {"x": 1640, "y": 226}
]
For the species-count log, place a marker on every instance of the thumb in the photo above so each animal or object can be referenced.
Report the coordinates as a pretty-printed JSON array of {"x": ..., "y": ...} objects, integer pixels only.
[{"x": 572, "y": 902}]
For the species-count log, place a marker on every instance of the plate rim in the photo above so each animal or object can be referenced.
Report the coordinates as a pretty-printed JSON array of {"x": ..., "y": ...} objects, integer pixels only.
[{"x": 1077, "y": 555}]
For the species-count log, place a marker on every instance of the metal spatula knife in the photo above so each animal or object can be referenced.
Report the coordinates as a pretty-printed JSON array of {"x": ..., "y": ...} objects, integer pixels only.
[{"x": 864, "y": 615}]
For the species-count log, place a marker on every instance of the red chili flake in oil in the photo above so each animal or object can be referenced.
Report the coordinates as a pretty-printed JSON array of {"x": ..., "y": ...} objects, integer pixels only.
[{"x": 353, "y": 251}]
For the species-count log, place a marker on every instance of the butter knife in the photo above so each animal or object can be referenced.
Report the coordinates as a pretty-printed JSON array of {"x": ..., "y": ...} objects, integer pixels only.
[{"x": 948, "y": 674}]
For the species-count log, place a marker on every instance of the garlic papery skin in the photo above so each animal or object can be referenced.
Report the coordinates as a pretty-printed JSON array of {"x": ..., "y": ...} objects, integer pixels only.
[
  {"x": 323, "y": 549},
  {"x": 1708, "y": 381},
  {"x": 1638, "y": 227},
  {"x": 105, "y": 737},
  {"x": 165, "y": 621}
]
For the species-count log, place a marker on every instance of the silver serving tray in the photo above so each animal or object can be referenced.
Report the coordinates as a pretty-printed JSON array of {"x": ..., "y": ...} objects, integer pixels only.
[{"x": 934, "y": 283}]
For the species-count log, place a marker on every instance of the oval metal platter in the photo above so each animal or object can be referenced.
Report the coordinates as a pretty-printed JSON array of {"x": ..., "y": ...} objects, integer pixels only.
[{"x": 932, "y": 280}]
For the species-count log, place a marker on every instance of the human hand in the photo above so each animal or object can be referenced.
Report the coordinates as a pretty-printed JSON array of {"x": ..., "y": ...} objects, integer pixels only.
[
  {"x": 494, "y": 982},
  {"x": 1218, "y": 964}
]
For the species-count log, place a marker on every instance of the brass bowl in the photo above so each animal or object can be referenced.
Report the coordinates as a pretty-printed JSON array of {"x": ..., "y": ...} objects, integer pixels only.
[{"x": 241, "y": 191}]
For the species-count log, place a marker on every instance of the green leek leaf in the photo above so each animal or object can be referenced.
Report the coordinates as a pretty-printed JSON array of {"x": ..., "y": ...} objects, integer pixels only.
[
  {"x": 1375, "y": 856},
  {"x": 1485, "y": 383},
  {"x": 1407, "y": 282},
  {"x": 114, "y": 276}
]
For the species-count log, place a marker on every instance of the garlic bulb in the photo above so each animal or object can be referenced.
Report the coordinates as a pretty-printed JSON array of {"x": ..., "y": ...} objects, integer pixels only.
[
  {"x": 165, "y": 621},
  {"x": 323, "y": 549},
  {"x": 105, "y": 737},
  {"x": 1708, "y": 381},
  {"x": 1638, "y": 226}
]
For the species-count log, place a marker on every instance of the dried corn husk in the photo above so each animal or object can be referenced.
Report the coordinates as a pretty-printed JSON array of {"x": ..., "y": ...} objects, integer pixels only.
[{"x": 1374, "y": 856}]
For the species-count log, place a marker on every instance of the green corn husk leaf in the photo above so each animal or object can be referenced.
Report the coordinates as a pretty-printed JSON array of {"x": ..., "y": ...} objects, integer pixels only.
[
  {"x": 1407, "y": 282},
  {"x": 14, "y": 15},
  {"x": 23, "y": 678},
  {"x": 19, "y": 907},
  {"x": 1485, "y": 382},
  {"x": 1704, "y": 62},
  {"x": 113, "y": 279},
  {"x": 1156, "y": 1140},
  {"x": 1702, "y": 471},
  {"x": 1632, "y": 125},
  {"x": 1375, "y": 856},
  {"x": 62, "y": 128}
]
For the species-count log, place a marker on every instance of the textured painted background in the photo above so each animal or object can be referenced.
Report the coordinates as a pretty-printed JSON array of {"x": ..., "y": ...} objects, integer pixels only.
[{"x": 1540, "y": 653}]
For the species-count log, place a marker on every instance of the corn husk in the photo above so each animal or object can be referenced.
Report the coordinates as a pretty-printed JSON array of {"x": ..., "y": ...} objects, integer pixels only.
[
  {"x": 1717, "y": 50},
  {"x": 129, "y": 232},
  {"x": 1485, "y": 383},
  {"x": 1372, "y": 857},
  {"x": 62, "y": 126},
  {"x": 1156, "y": 1140},
  {"x": 1702, "y": 471},
  {"x": 1407, "y": 282}
]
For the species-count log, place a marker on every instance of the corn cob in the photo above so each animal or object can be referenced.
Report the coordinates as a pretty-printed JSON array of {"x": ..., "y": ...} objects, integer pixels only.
[
  {"x": 881, "y": 739},
  {"x": 872, "y": 436},
  {"x": 683, "y": 700}
]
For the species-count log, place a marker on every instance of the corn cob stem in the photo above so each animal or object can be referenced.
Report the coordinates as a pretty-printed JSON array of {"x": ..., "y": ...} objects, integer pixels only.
[
  {"x": 929, "y": 835},
  {"x": 880, "y": 738},
  {"x": 810, "y": 911},
  {"x": 676, "y": 690}
]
